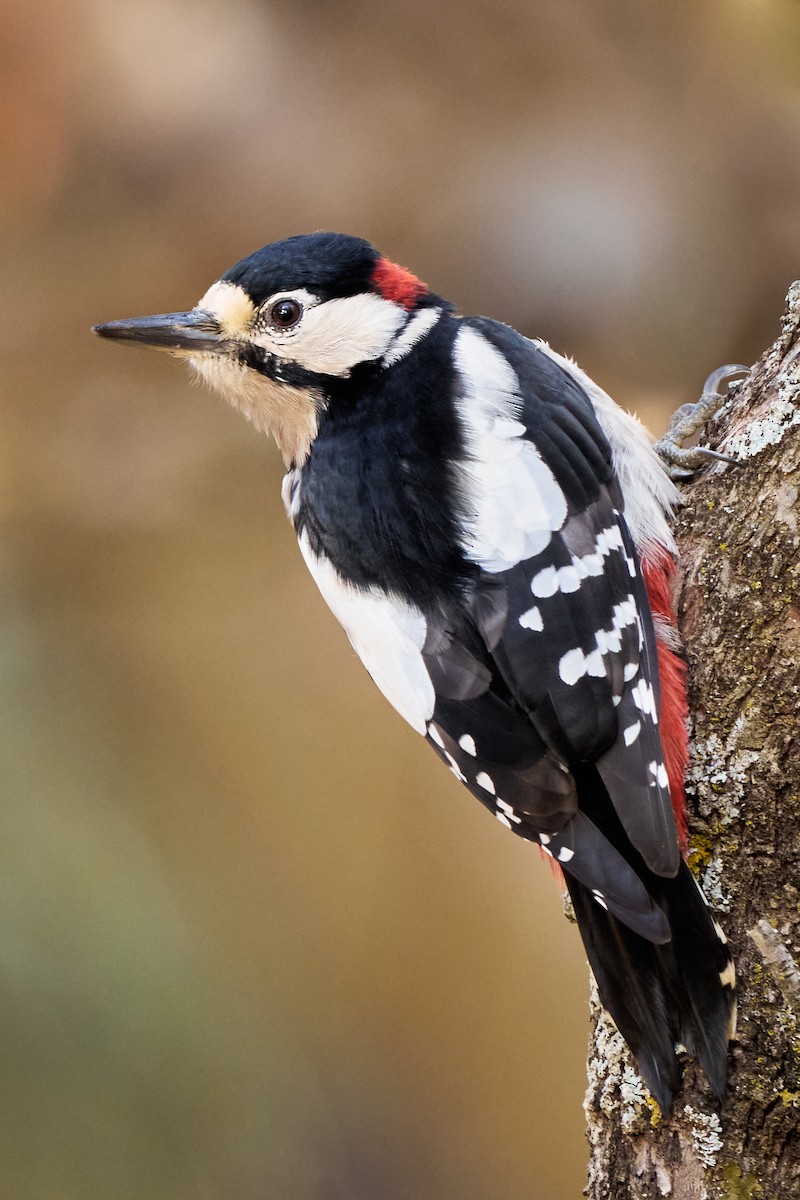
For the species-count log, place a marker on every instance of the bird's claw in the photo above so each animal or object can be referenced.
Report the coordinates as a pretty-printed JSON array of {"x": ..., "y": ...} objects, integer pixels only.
[{"x": 682, "y": 462}]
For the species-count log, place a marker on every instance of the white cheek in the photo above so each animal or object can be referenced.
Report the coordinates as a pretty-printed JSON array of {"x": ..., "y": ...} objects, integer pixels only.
[{"x": 336, "y": 335}]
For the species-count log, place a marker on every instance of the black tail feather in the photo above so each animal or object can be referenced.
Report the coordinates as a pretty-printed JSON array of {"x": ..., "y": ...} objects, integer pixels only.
[{"x": 659, "y": 995}]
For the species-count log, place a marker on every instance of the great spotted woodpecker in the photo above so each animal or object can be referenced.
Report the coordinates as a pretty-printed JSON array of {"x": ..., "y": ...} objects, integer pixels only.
[{"x": 492, "y": 531}]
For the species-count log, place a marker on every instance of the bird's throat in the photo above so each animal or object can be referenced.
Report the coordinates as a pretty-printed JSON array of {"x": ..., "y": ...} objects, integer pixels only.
[{"x": 289, "y": 414}]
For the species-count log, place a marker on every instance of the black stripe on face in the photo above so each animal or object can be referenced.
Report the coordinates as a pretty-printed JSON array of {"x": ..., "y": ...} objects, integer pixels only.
[{"x": 282, "y": 370}]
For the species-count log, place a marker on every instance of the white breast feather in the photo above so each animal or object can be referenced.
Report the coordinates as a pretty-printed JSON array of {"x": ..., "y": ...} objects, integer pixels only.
[
  {"x": 387, "y": 635},
  {"x": 515, "y": 501}
]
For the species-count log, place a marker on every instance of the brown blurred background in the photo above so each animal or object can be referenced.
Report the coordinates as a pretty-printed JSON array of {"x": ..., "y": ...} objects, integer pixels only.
[{"x": 254, "y": 943}]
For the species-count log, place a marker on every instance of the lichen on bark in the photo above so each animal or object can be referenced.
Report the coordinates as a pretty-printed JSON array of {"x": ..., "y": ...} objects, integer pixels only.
[{"x": 739, "y": 613}]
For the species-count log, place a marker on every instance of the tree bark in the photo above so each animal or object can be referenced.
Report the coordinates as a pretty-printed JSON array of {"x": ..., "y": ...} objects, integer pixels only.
[{"x": 739, "y": 614}]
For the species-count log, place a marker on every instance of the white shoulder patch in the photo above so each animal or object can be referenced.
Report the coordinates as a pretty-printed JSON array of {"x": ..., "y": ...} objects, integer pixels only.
[
  {"x": 650, "y": 495},
  {"x": 387, "y": 635},
  {"x": 515, "y": 500}
]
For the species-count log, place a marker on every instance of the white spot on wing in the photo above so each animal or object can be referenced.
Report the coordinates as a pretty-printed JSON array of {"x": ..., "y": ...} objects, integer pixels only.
[
  {"x": 508, "y": 810},
  {"x": 467, "y": 744},
  {"x": 572, "y": 666},
  {"x": 532, "y": 619},
  {"x": 644, "y": 699},
  {"x": 567, "y": 579},
  {"x": 575, "y": 663},
  {"x": 631, "y": 733},
  {"x": 545, "y": 583},
  {"x": 455, "y": 768},
  {"x": 595, "y": 665},
  {"x": 485, "y": 781}
]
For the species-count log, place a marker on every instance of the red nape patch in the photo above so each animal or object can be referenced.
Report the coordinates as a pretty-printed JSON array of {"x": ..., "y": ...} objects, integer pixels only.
[
  {"x": 396, "y": 283},
  {"x": 658, "y": 570}
]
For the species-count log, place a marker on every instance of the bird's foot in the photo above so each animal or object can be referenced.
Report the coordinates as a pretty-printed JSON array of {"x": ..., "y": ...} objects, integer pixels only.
[{"x": 682, "y": 462}]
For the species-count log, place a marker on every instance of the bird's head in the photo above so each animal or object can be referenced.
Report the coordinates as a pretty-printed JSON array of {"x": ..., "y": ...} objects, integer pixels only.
[{"x": 281, "y": 325}]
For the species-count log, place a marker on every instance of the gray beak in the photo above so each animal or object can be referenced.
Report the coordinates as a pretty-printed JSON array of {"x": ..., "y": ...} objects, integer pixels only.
[{"x": 188, "y": 332}]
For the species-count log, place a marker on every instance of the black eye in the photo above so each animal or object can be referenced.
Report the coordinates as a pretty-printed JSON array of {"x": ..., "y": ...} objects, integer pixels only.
[{"x": 286, "y": 313}]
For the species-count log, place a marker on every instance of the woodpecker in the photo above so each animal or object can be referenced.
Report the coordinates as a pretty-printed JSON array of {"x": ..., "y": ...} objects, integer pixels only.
[{"x": 493, "y": 533}]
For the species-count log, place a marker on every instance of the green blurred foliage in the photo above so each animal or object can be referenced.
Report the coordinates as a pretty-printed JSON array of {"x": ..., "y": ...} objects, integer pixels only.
[{"x": 253, "y": 942}]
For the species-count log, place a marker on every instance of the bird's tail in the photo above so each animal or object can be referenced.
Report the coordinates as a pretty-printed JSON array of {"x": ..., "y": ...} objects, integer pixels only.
[{"x": 681, "y": 991}]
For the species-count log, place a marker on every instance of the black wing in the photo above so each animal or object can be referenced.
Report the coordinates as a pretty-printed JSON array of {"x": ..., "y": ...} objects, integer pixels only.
[{"x": 563, "y": 669}]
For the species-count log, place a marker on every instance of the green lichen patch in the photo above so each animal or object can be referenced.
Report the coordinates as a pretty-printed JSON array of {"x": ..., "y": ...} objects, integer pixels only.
[{"x": 736, "y": 1186}]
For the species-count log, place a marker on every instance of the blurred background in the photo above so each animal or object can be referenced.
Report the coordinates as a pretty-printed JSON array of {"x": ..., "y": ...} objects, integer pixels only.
[{"x": 254, "y": 942}]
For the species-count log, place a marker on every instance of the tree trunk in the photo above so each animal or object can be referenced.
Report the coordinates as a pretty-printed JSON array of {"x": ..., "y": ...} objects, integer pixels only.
[{"x": 739, "y": 612}]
